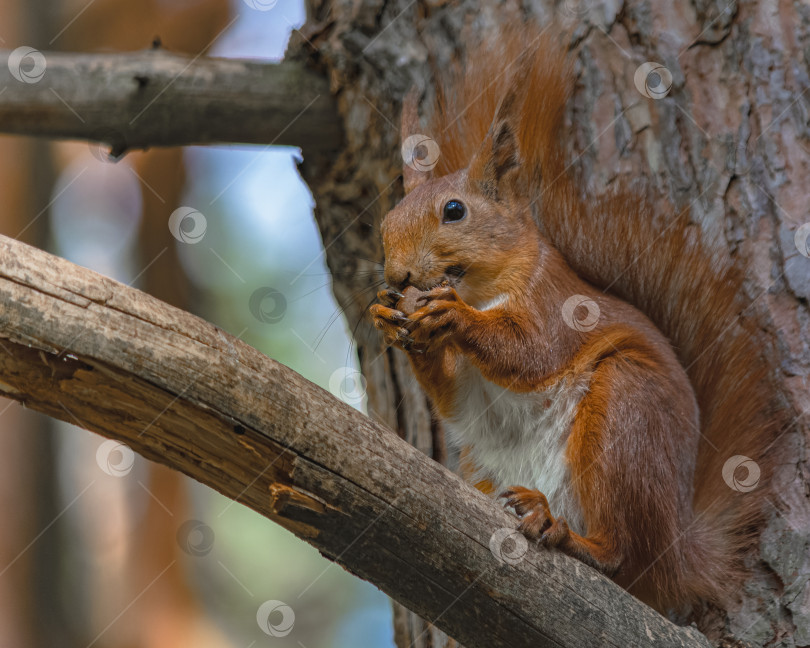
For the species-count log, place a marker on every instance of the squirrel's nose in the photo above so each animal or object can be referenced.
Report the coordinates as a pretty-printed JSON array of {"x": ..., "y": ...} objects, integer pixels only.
[{"x": 397, "y": 277}]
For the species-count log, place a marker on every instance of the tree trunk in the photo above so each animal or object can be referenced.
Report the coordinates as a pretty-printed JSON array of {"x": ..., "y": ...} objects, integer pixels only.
[{"x": 729, "y": 141}]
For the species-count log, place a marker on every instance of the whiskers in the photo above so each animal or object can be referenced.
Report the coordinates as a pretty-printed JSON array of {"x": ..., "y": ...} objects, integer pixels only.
[
  {"x": 374, "y": 276},
  {"x": 353, "y": 339}
]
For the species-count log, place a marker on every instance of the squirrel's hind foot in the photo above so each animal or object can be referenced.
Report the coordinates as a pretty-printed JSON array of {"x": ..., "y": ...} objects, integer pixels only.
[{"x": 537, "y": 523}]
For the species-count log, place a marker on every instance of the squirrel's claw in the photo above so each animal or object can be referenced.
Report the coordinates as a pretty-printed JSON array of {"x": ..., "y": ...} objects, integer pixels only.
[
  {"x": 390, "y": 321},
  {"x": 389, "y": 297},
  {"x": 536, "y": 520},
  {"x": 383, "y": 315},
  {"x": 443, "y": 292},
  {"x": 403, "y": 336}
]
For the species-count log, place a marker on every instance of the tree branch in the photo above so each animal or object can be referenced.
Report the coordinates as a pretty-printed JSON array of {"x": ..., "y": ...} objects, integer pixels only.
[
  {"x": 156, "y": 98},
  {"x": 88, "y": 350}
]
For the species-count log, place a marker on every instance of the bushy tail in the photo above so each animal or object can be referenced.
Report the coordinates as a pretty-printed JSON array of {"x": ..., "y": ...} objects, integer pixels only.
[
  {"x": 696, "y": 299},
  {"x": 652, "y": 257}
]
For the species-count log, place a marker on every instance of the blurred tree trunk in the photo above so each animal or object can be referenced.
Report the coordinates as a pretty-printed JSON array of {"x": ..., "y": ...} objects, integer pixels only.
[
  {"x": 729, "y": 141},
  {"x": 165, "y": 610},
  {"x": 31, "y": 555},
  {"x": 19, "y": 493}
]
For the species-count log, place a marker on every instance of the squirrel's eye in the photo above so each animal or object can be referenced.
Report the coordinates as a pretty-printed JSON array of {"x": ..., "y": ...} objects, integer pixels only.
[{"x": 454, "y": 211}]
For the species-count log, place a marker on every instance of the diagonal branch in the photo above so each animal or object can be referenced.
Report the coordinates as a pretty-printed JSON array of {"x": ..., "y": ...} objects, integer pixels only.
[
  {"x": 156, "y": 98},
  {"x": 184, "y": 393}
]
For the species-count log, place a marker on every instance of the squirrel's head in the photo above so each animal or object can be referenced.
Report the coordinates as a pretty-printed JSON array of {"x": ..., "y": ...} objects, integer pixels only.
[
  {"x": 473, "y": 228},
  {"x": 448, "y": 229}
]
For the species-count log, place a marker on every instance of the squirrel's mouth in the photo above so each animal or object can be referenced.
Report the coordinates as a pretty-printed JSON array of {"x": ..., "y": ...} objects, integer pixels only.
[{"x": 452, "y": 275}]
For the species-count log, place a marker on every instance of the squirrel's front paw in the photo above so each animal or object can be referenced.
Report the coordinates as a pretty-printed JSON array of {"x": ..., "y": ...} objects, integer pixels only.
[
  {"x": 536, "y": 520},
  {"x": 440, "y": 314},
  {"x": 391, "y": 321}
]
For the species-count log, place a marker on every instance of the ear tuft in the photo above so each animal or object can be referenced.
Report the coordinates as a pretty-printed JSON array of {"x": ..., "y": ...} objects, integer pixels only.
[
  {"x": 505, "y": 155},
  {"x": 498, "y": 159},
  {"x": 419, "y": 152}
]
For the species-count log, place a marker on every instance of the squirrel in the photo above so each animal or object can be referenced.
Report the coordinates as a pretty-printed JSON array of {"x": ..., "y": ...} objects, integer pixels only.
[{"x": 586, "y": 353}]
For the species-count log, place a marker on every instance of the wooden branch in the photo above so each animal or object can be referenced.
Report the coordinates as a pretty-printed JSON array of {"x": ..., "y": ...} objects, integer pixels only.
[
  {"x": 156, "y": 98},
  {"x": 86, "y": 349}
]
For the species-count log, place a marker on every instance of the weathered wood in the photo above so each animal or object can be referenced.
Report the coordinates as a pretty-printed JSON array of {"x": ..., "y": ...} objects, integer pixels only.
[
  {"x": 82, "y": 347},
  {"x": 156, "y": 98}
]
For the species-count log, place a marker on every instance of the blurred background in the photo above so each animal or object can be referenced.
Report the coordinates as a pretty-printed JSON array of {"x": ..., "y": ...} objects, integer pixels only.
[{"x": 99, "y": 547}]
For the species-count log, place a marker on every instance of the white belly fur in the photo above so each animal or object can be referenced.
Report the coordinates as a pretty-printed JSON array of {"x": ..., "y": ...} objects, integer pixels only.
[{"x": 516, "y": 440}]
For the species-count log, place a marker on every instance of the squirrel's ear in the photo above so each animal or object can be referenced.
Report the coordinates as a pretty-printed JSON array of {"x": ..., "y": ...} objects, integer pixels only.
[
  {"x": 493, "y": 168},
  {"x": 415, "y": 170}
]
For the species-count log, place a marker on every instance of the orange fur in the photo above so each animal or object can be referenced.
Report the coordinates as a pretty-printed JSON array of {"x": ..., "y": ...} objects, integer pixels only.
[{"x": 676, "y": 384}]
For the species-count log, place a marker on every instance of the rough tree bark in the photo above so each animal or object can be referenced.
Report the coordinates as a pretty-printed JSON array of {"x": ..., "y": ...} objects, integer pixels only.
[{"x": 730, "y": 141}]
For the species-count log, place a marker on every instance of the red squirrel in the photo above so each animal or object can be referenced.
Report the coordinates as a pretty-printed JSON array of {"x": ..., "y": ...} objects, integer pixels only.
[{"x": 586, "y": 352}]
